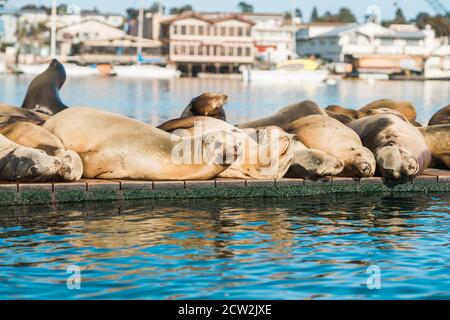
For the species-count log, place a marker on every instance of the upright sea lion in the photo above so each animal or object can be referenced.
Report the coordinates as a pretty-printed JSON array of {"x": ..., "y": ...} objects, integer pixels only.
[
  {"x": 115, "y": 147},
  {"x": 331, "y": 136},
  {"x": 43, "y": 93},
  {"x": 19, "y": 163},
  {"x": 286, "y": 115},
  {"x": 207, "y": 104},
  {"x": 266, "y": 153},
  {"x": 404, "y": 107},
  {"x": 10, "y": 114},
  {"x": 33, "y": 136},
  {"x": 354, "y": 114},
  {"x": 438, "y": 141},
  {"x": 399, "y": 147},
  {"x": 440, "y": 117}
]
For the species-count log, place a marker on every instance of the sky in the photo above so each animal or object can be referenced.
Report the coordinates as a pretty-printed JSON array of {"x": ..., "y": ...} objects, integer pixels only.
[{"x": 409, "y": 7}]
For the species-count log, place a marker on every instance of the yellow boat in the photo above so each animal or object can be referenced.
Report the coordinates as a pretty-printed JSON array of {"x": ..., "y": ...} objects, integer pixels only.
[{"x": 298, "y": 65}]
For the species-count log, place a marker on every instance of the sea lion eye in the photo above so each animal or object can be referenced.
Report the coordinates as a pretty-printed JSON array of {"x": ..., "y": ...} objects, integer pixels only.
[
  {"x": 318, "y": 162},
  {"x": 33, "y": 171}
]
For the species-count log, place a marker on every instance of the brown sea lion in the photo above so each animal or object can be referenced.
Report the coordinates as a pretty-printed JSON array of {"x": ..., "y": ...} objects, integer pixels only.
[
  {"x": 404, "y": 107},
  {"x": 43, "y": 93},
  {"x": 399, "y": 147},
  {"x": 286, "y": 115},
  {"x": 18, "y": 163},
  {"x": 207, "y": 104},
  {"x": 331, "y": 136},
  {"x": 343, "y": 118},
  {"x": 438, "y": 140},
  {"x": 115, "y": 147},
  {"x": 354, "y": 114},
  {"x": 33, "y": 136},
  {"x": 10, "y": 114},
  {"x": 440, "y": 117}
]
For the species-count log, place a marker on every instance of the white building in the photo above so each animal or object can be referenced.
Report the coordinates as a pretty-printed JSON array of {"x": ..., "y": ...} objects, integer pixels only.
[
  {"x": 8, "y": 24},
  {"x": 367, "y": 39},
  {"x": 33, "y": 17}
]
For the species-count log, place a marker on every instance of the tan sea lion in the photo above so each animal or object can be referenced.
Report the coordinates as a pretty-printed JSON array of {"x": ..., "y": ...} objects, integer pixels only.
[
  {"x": 115, "y": 147},
  {"x": 33, "y": 136},
  {"x": 440, "y": 117},
  {"x": 19, "y": 163},
  {"x": 286, "y": 115},
  {"x": 331, "y": 136},
  {"x": 354, "y": 114},
  {"x": 343, "y": 118},
  {"x": 207, "y": 104},
  {"x": 266, "y": 153},
  {"x": 10, "y": 114},
  {"x": 404, "y": 107},
  {"x": 438, "y": 140},
  {"x": 399, "y": 147}
]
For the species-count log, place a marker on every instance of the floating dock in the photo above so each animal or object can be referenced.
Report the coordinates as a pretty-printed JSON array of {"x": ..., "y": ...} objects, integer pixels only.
[{"x": 437, "y": 181}]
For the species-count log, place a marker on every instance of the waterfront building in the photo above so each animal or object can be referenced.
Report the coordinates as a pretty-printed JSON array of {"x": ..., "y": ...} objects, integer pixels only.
[
  {"x": 196, "y": 43},
  {"x": 8, "y": 24}
]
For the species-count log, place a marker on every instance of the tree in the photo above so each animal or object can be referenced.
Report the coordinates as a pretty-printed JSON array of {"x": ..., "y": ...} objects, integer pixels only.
[
  {"x": 314, "y": 15},
  {"x": 399, "y": 16},
  {"x": 132, "y": 14},
  {"x": 245, "y": 7},
  {"x": 62, "y": 9},
  {"x": 156, "y": 7},
  {"x": 181, "y": 10},
  {"x": 345, "y": 15},
  {"x": 298, "y": 13}
]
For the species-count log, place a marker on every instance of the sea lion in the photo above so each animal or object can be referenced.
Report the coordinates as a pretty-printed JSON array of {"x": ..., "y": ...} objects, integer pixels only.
[
  {"x": 43, "y": 93},
  {"x": 399, "y": 147},
  {"x": 10, "y": 114},
  {"x": 207, "y": 104},
  {"x": 331, "y": 136},
  {"x": 440, "y": 117},
  {"x": 266, "y": 153},
  {"x": 404, "y": 107},
  {"x": 343, "y": 118},
  {"x": 438, "y": 140},
  {"x": 354, "y": 114},
  {"x": 19, "y": 163},
  {"x": 286, "y": 115},
  {"x": 33, "y": 136},
  {"x": 112, "y": 146}
]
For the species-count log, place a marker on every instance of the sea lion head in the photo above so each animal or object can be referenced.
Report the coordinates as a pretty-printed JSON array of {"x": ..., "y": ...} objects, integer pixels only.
[
  {"x": 311, "y": 163},
  {"x": 335, "y": 109},
  {"x": 362, "y": 163},
  {"x": 71, "y": 167},
  {"x": 221, "y": 147},
  {"x": 28, "y": 164},
  {"x": 208, "y": 104},
  {"x": 56, "y": 68},
  {"x": 396, "y": 163}
]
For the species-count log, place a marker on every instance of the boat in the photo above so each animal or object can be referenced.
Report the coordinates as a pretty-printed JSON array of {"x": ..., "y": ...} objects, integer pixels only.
[
  {"x": 437, "y": 68},
  {"x": 291, "y": 71},
  {"x": 146, "y": 71},
  {"x": 72, "y": 70}
]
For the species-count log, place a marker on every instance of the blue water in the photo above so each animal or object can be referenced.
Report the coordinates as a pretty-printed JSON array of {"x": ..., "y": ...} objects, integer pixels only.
[
  {"x": 156, "y": 101},
  {"x": 301, "y": 248}
]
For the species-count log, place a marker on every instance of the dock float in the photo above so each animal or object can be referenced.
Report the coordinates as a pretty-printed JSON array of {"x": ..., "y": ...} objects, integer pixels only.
[{"x": 433, "y": 181}]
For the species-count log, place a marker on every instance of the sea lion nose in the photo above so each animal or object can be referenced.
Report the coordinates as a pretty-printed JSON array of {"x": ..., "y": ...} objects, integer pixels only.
[
  {"x": 364, "y": 168},
  {"x": 57, "y": 162}
]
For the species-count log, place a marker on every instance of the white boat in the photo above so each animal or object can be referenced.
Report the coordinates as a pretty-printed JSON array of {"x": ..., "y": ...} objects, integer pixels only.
[
  {"x": 146, "y": 71},
  {"x": 72, "y": 70},
  {"x": 291, "y": 71}
]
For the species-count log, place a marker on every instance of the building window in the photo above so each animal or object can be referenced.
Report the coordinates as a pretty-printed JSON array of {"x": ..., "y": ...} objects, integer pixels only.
[
  {"x": 192, "y": 30},
  {"x": 211, "y": 31},
  {"x": 222, "y": 51},
  {"x": 248, "y": 52},
  {"x": 223, "y": 31},
  {"x": 200, "y": 30},
  {"x": 387, "y": 42},
  {"x": 239, "y": 52},
  {"x": 231, "y": 30},
  {"x": 175, "y": 29},
  {"x": 182, "y": 50},
  {"x": 192, "y": 50},
  {"x": 240, "y": 32},
  {"x": 249, "y": 32},
  {"x": 412, "y": 42},
  {"x": 183, "y": 30}
]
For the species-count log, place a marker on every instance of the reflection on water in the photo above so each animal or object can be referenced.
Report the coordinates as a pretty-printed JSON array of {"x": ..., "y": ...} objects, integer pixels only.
[
  {"x": 305, "y": 248},
  {"x": 155, "y": 101}
]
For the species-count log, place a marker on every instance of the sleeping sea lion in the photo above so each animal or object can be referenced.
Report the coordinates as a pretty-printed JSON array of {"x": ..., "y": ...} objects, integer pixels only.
[
  {"x": 440, "y": 117},
  {"x": 331, "y": 136},
  {"x": 399, "y": 147},
  {"x": 43, "y": 93},
  {"x": 112, "y": 146},
  {"x": 33, "y": 136},
  {"x": 438, "y": 140},
  {"x": 404, "y": 107},
  {"x": 19, "y": 163},
  {"x": 207, "y": 104},
  {"x": 354, "y": 114},
  {"x": 10, "y": 114},
  {"x": 286, "y": 115}
]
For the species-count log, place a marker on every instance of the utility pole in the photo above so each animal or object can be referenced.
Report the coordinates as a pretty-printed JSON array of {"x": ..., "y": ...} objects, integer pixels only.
[
  {"x": 140, "y": 30},
  {"x": 294, "y": 29},
  {"x": 53, "y": 31}
]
